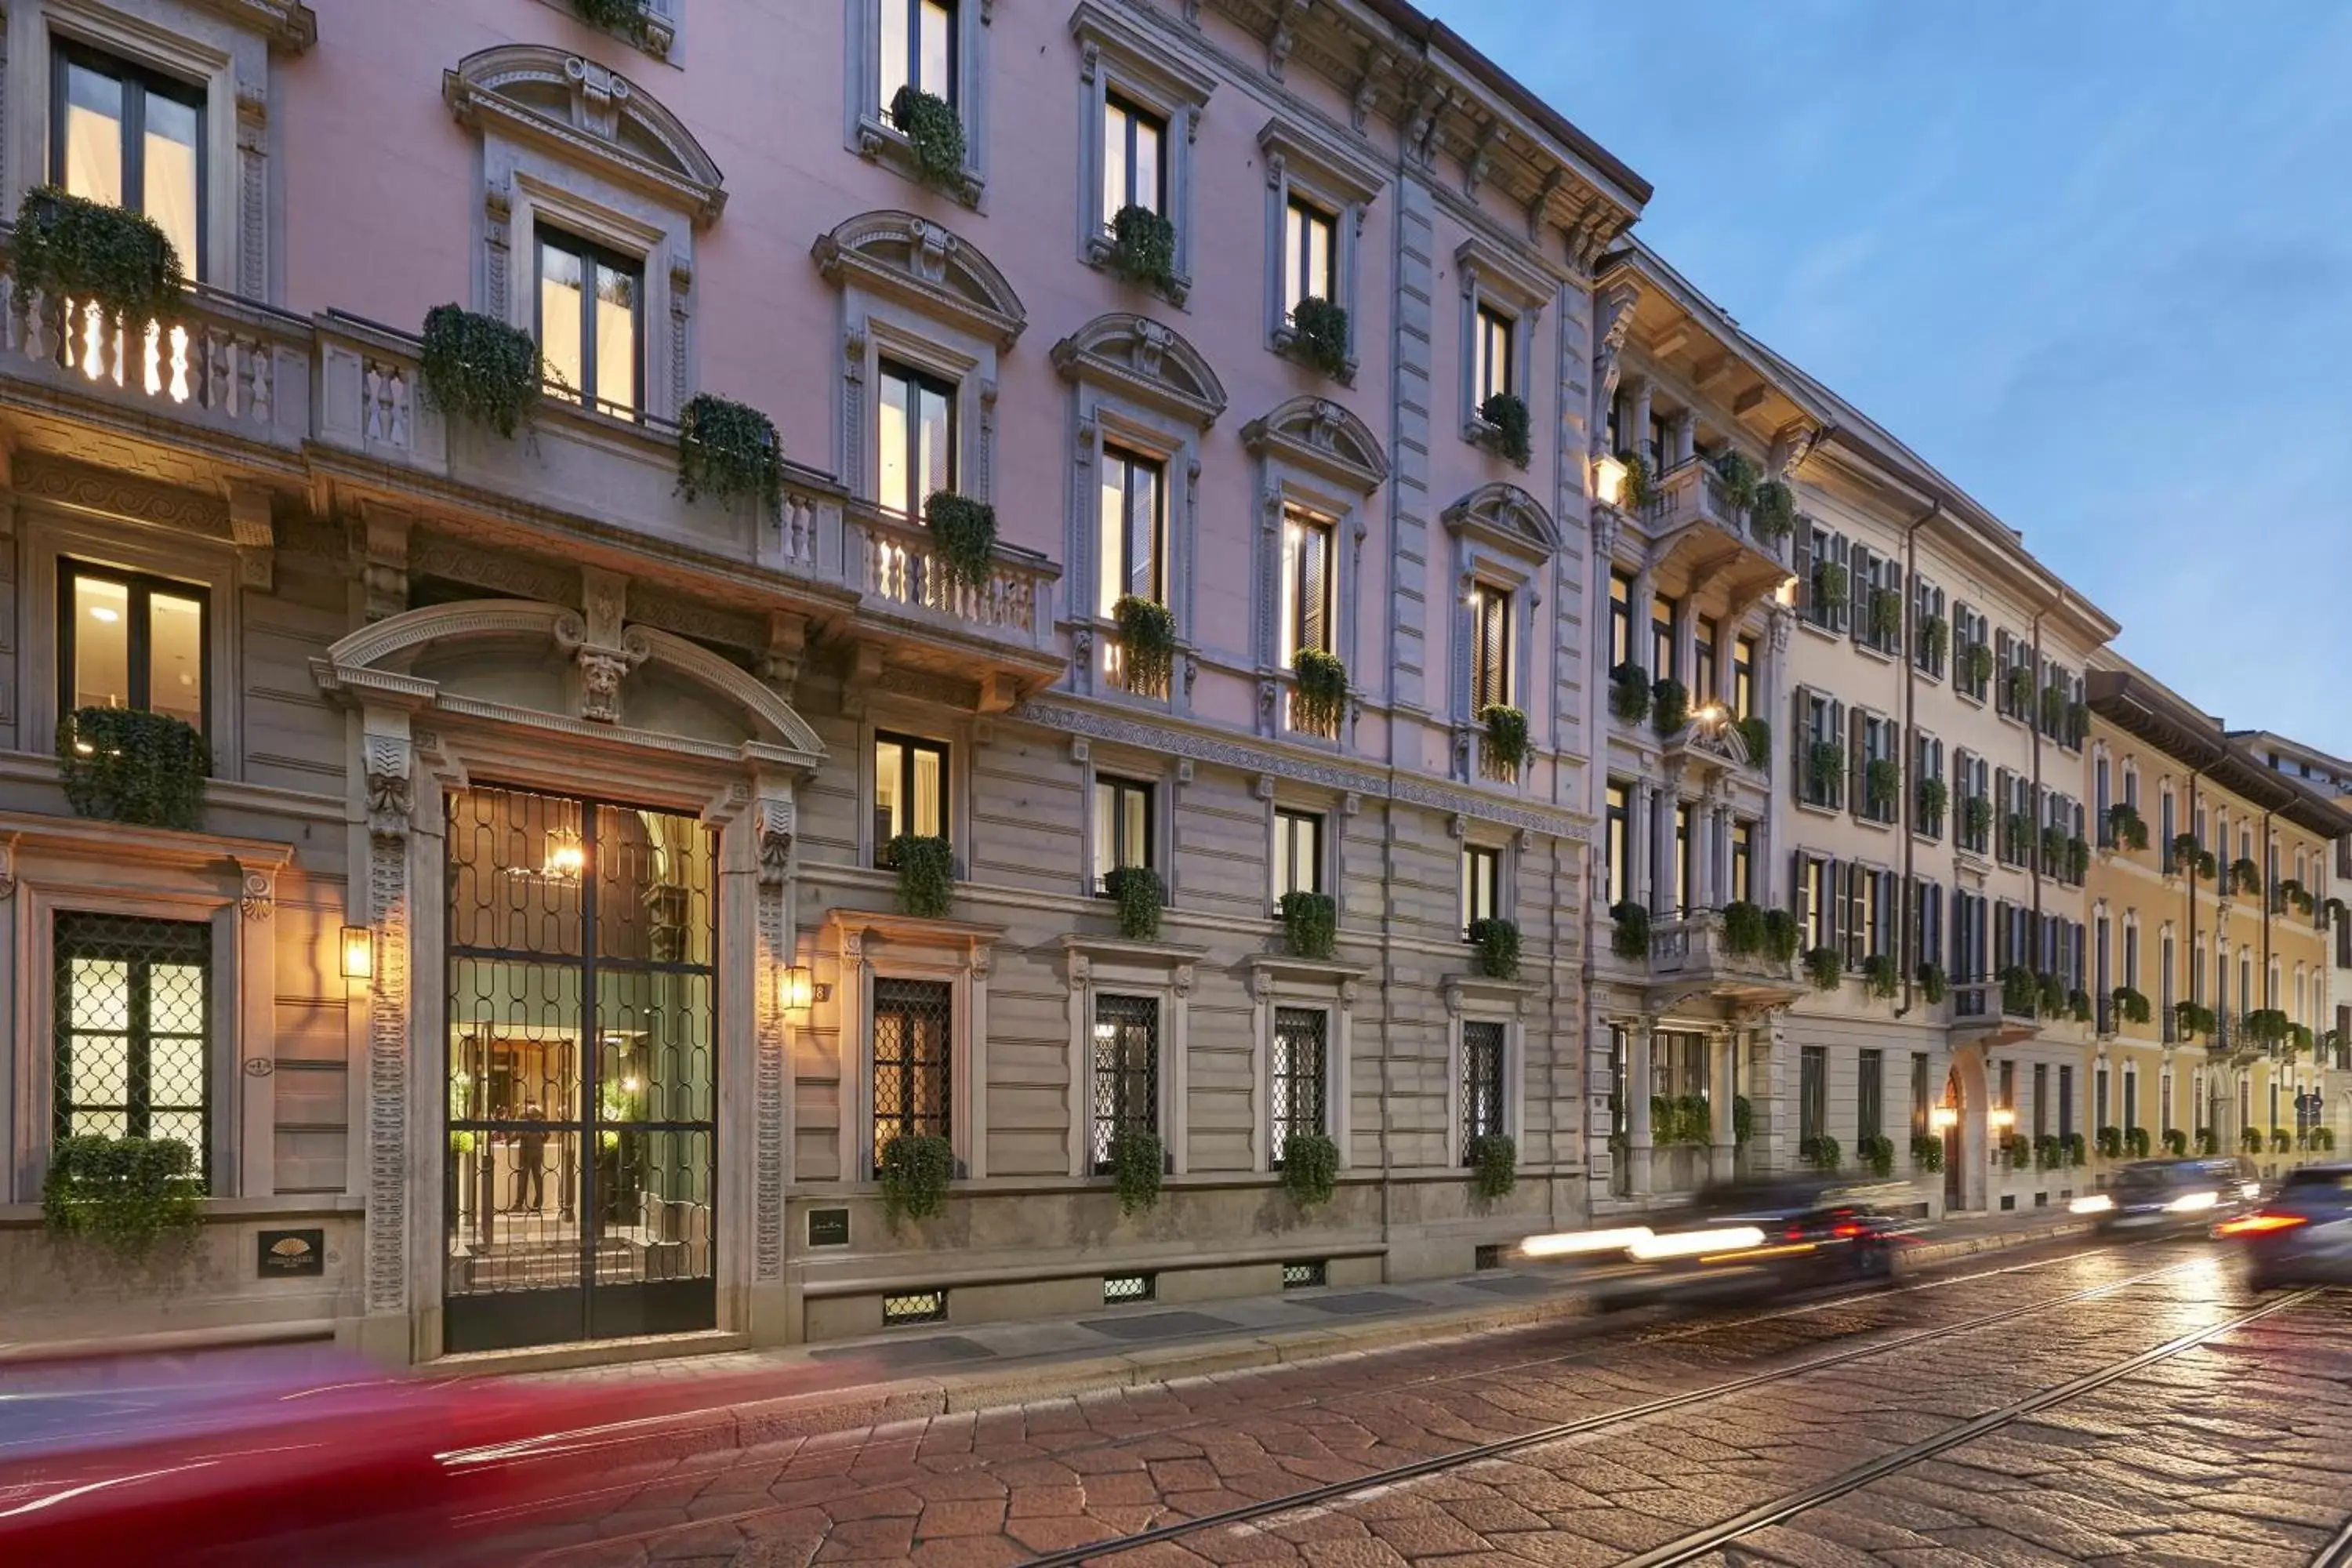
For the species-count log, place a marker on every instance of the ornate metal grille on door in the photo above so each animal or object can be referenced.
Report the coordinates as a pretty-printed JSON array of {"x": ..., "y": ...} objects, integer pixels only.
[
  {"x": 1127, "y": 1069},
  {"x": 134, "y": 1031},
  {"x": 1482, "y": 1081},
  {"x": 1296, "y": 1075},
  {"x": 914, "y": 1022}
]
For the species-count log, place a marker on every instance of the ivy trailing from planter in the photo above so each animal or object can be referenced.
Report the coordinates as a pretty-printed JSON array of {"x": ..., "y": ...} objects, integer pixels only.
[
  {"x": 1876, "y": 1154},
  {"x": 1830, "y": 581},
  {"x": 1933, "y": 985},
  {"x": 1630, "y": 939},
  {"x": 1755, "y": 734},
  {"x": 730, "y": 449},
  {"x": 2268, "y": 1027},
  {"x": 1926, "y": 1152},
  {"x": 1935, "y": 639},
  {"x": 1740, "y": 477},
  {"x": 1629, "y": 693},
  {"x": 124, "y": 764},
  {"x": 1139, "y": 894},
  {"x": 934, "y": 129},
  {"x": 2207, "y": 1143},
  {"x": 1882, "y": 780},
  {"x": 2198, "y": 860},
  {"x": 1879, "y": 975},
  {"x": 1933, "y": 797},
  {"x": 1781, "y": 936},
  {"x": 1136, "y": 1161},
  {"x": 2078, "y": 1005},
  {"x": 626, "y": 17},
  {"x": 1320, "y": 700},
  {"x": 2175, "y": 1142},
  {"x": 914, "y": 1173},
  {"x": 477, "y": 369},
  {"x": 2282, "y": 1140},
  {"x": 2130, "y": 1005},
  {"x": 2048, "y": 1152},
  {"x": 1143, "y": 247},
  {"x": 1885, "y": 616},
  {"x": 1311, "y": 923},
  {"x": 1497, "y": 941},
  {"x": 1641, "y": 491},
  {"x": 1504, "y": 414},
  {"x": 2021, "y": 692},
  {"x": 1975, "y": 665},
  {"x": 2053, "y": 849},
  {"x": 1146, "y": 635},
  {"x": 2245, "y": 878},
  {"x": 1821, "y": 1153},
  {"x": 2124, "y": 826},
  {"x": 2050, "y": 995},
  {"x": 963, "y": 538},
  {"x": 1310, "y": 1168},
  {"x": 113, "y": 257},
  {"x": 1670, "y": 705},
  {"x": 2190, "y": 1019},
  {"x": 2017, "y": 991},
  {"x": 1743, "y": 1120},
  {"x": 1825, "y": 769},
  {"x": 1494, "y": 1165},
  {"x": 2078, "y": 860},
  {"x": 926, "y": 864},
  {"x": 1825, "y": 967},
  {"x": 130, "y": 1196},
  {"x": 2053, "y": 709},
  {"x": 1743, "y": 929},
  {"x": 1774, "y": 515},
  {"x": 2136, "y": 1142},
  {"x": 1318, "y": 336},
  {"x": 1506, "y": 735},
  {"x": 1975, "y": 816}
]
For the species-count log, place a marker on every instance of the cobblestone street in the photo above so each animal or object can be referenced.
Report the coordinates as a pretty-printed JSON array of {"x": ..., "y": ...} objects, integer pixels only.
[{"x": 2057, "y": 1404}]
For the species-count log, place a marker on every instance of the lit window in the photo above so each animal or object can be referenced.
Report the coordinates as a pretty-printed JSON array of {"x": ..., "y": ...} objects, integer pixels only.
[
  {"x": 1493, "y": 370},
  {"x": 1482, "y": 870},
  {"x": 917, "y": 48},
  {"x": 1127, "y": 1071},
  {"x": 1122, "y": 826},
  {"x": 1490, "y": 645},
  {"x": 1306, "y": 584},
  {"x": 1297, "y": 852},
  {"x": 1135, "y": 166},
  {"x": 1296, "y": 1076},
  {"x": 135, "y": 1036},
  {"x": 588, "y": 309},
  {"x": 1134, "y": 521},
  {"x": 910, "y": 784},
  {"x": 914, "y": 1026},
  {"x": 129, "y": 138},
  {"x": 1617, "y": 844},
  {"x": 1308, "y": 250},
  {"x": 133, "y": 642},
  {"x": 917, "y": 439}
]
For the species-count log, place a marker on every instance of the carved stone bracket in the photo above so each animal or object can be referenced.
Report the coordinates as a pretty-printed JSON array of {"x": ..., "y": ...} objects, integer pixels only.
[
  {"x": 605, "y": 648},
  {"x": 255, "y": 535},
  {"x": 777, "y": 823},
  {"x": 257, "y": 892}
]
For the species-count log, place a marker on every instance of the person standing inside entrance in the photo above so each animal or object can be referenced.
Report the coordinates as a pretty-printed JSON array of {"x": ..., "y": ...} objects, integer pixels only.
[{"x": 530, "y": 1160}]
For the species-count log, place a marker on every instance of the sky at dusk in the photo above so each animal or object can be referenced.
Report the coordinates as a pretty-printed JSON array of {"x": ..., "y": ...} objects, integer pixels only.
[{"x": 2092, "y": 259}]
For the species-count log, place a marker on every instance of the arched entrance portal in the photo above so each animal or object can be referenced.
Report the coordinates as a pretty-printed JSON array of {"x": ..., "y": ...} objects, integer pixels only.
[{"x": 1964, "y": 1139}]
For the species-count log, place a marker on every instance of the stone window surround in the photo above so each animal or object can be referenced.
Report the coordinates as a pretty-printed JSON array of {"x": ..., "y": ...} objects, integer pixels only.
[
  {"x": 1492, "y": 277},
  {"x": 1108, "y": 965},
  {"x": 871, "y": 947},
  {"x": 1164, "y": 774},
  {"x": 1283, "y": 486},
  {"x": 1507, "y": 845},
  {"x": 1338, "y": 182},
  {"x": 194, "y": 42},
  {"x": 867, "y": 129},
  {"x": 1334, "y": 809},
  {"x": 229, "y": 884},
  {"x": 1114, "y": 56},
  {"x": 208, "y": 565},
  {"x": 1474, "y": 998},
  {"x": 922, "y": 723},
  {"x": 1108, "y": 416},
  {"x": 1482, "y": 557},
  {"x": 1279, "y": 980}
]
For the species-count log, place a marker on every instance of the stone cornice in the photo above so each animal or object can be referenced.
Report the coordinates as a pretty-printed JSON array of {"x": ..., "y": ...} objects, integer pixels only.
[{"x": 289, "y": 25}]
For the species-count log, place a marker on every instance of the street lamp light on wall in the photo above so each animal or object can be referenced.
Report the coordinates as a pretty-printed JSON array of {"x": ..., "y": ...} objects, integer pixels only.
[
  {"x": 1943, "y": 1117},
  {"x": 797, "y": 992},
  {"x": 1609, "y": 480},
  {"x": 2001, "y": 1118},
  {"x": 359, "y": 953}
]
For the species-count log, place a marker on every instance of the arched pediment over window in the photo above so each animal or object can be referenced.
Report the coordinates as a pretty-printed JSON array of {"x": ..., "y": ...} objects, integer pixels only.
[
  {"x": 1150, "y": 363},
  {"x": 923, "y": 264},
  {"x": 580, "y": 107},
  {"x": 1322, "y": 437},
  {"x": 554, "y": 668},
  {"x": 1505, "y": 518}
]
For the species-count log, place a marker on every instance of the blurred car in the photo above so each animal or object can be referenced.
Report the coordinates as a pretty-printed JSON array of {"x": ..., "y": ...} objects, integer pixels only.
[
  {"x": 2302, "y": 1235},
  {"x": 2170, "y": 1197},
  {"x": 1766, "y": 1237}
]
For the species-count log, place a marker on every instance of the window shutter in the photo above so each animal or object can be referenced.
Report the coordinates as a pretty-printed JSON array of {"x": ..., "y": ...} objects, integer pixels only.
[
  {"x": 1314, "y": 547},
  {"x": 1857, "y": 759},
  {"x": 1802, "y": 564},
  {"x": 1833, "y": 918},
  {"x": 1800, "y": 889},
  {"x": 1857, "y": 590},
  {"x": 1894, "y": 586}
]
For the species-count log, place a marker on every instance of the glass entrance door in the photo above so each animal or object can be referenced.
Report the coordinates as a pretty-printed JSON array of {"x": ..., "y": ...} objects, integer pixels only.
[{"x": 581, "y": 1071}]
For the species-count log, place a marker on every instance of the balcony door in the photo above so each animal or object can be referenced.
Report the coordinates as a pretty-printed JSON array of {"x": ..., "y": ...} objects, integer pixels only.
[{"x": 583, "y": 1070}]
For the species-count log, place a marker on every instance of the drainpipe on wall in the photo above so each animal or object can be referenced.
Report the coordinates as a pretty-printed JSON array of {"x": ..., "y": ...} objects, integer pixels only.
[
  {"x": 2270, "y": 859},
  {"x": 1910, "y": 794}
]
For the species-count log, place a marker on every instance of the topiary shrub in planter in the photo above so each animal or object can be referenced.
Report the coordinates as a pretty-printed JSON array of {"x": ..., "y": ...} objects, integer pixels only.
[
  {"x": 1774, "y": 515},
  {"x": 2123, "y": 825},
  {"x": 1743, "y": 929},
  {"x": 1740, "y": 477},
  {"x": 2175, "y": 1142},
  {"x": 1630, "y": 939},
  {"x": 1505, "y": 416},
  {"x": 1497, "y": 941},
  {"x": 1140, "y": 895},
  {"x": 926, "y": 866},
  {"x": 1881, "y": 779},
  {"x": 1976, "y": 666},
  {"x": 2017, "y": 1149},
  {"x": 1310, "y": 1168},
  {"x": 2049, "y": 994},
  {"x": 934, "y": 129},
  {"x": 1743, "y": 1120},
  {"x": 1666, "y": 1122},
  {"x": 1146, "y": 635},
  {"x": 1494, "y": 1165},
  {"x": 626, "y": 17},
  {"x": 1933, "y": 984},
  {"x": 1933, "y": 797},
  {"x": 1629, "y": 693},
  {"x": 1934, "y": 640},
  {"x": 1825, "y": 968},
  {"x": 1820, "y": 1153},
  {"x": 963, "y": 538},
  {"x": 2323, "y": 1140},
  {"x": 1143, "y": 247},
  {"x": 1876, "y": 1154},
  {"x": 2078, "y": 1005},
  {"x": 1319, "y": 700},
  {"x": 1506, "y": 735},
  {"x": 1926, "y": 1152},
  {"x": 1825, "y": 769},
  {"x": 1975, "y": 816},
  {"x": 2246, "y": 878},
  {"x": 2111, "y": 1143},
  {"x": 2207, "y": 1144},
  {"x": 2017, "y": 991},
  {"x": 1670, "y": 705},
  {"x": 2071, "y": 1143},
  {"x": 1755, "y": 734},
  {"x": 107, "y": 256},
  {"x": 1879, "y": 975},
  {"x": 1885, "y": 616},
  {"x": 730, "y": 449},
  {"x": 2131, "y": 1006},
  {"x": 477, "y": 369},
  {"x": 1830, "y": 584},
  {"x": 1779, "y": 935},
  {"x": 2282, "y": 1140},
  {"x": 133, "y": 1197},
  {"x": 2048, "y": 1152},
  {"x": 2250, "y": 1141},
  {"x": 1137, "y": 1162},
  {"x": 1311, "y": 923},
  {"x": 2136, "y": 1142},
  {"x": 1641, "y": 491},
  {"x": 1318, "y": 336},
  {"x": 914, "y": 1173},
  {"x": 124, "y": 764}
]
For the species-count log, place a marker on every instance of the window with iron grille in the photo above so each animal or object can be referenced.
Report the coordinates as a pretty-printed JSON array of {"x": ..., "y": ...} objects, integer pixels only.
[
  {"x": 1304, "y": 1276},
  {"x": 1297, "y": 1073},
  {"x": 133, "y": 1030},
  {"x": 1127, "y": 1070},
  {"x": 1119, "y": 1288},
  {"x": 913, "y": 1307},
  {"x": 1482, "y": 1081},
  {"x": 914, "y": 1041}
]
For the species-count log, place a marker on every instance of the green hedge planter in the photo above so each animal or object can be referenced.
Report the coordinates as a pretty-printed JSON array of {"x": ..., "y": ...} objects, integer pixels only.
[
  {"x": 1310, "y": 1168},
  {"x": 478, "y": 370},
  {"x": 1138, "y": 1160},
  {"x": 1494, "y": 1165},
  {"x": 118, "y": 259},
  {"x": 131, "y": 1197},
  {"x": 1319, "y": 701},
  {"x": 1505, "y": 416},
  {"x": 914, "y": 1173},
  {"x": 935, "y": 132},
  {"x": 1497, "y": 941},
  {"x": 1143, "y": 247},
  {"x": 1506, "y": 735},
  {"x": 926, "y": 875},
  {"x": 1310, "y": 925},
  {"x": 1147, "y": 633},
  {"x": 1140, "y": 895},
  {"x": 1318, "y": 336},
  {"x": 1631, "y": 938},
  {"x": 729, "y": 450},
  {"x": 122, "y": 764}
]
